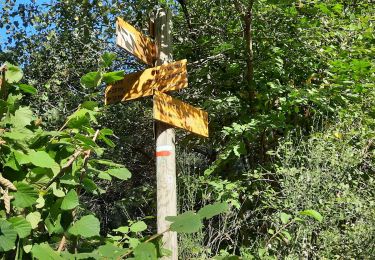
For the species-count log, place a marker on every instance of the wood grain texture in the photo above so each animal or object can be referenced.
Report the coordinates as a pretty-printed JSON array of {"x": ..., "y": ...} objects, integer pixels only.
[
  {"x": 165, "y": 137},
  {"x": 180, "y": 114},
  {"x": 167, "y": 77},
  {"x": 135, "y": 42}
]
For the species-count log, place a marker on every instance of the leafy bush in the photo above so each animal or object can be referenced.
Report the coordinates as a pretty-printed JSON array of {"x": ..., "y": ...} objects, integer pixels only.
[
  {"x": 332, "y": 172},
  {"x": 44, "y": 173}
]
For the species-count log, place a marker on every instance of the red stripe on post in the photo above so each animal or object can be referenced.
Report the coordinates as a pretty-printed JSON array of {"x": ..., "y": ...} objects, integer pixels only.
[{"x": 163, "y": 153}]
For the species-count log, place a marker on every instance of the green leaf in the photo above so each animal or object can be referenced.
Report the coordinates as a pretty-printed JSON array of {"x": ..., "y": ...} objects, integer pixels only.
[
  {"x": 145, "y": 251},
  {"x": 112, "y": 77},
  {"x": 312, "y": 213},
  {"x": 82, "y": 117},
  {"x": 90, "y": 105},
  {"x": 110, "y": 251},
  {"x": 27, "y": 248},
  {"x": 210, "y": 211},
  {"x": 21, "y": 225},
  {"x": 34, "y": 218},
  {"x": 86, "y": 140},
  {"x": 90, "y": 185},
  {"x": 45, "y": 252},
  {"x": 120, "y": 173},
  {"x": 25, "y": 196},
  {"x": 188, "y": 222},
  {"x": 138, "y": 226},
  {"x": 21, "y": 158},
  {"x": 107, "y": 163},
  {"x": 27, "y": 89},
  {"x": 8, "y": 236},
  {"x": 70, "y": 200},
  {"x": 123, "y": 230},
  {"x": 87, "y": 226},
  {"x": 13, "y": 73},
  {"x": 104, "y": 176},
  {"x": 284, "y": 217},
  {"x": 19, "y": 134},
  {"x": 42, "y": 159},
  {"x": 107, "y": 59},
  {"x": 91, "y": 80},
  {"x": 22, "y": 117},
  {"x": 286, "y": 235}
]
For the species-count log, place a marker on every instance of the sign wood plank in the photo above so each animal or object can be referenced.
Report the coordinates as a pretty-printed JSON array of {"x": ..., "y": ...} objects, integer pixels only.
[
  {"x": 135, "y": 42},
  {"x": 167, "y": 77},
  {"x": 179, "y": 114}
]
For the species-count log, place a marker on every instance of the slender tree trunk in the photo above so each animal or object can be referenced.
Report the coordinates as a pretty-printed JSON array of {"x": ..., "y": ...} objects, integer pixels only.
[
  {"x": 249, "y": 47},
  {"x": 246, "y": 12}
]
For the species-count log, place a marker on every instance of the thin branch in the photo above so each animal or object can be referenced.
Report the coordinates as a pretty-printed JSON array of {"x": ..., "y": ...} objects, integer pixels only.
[{"x": 85, "y": 160}]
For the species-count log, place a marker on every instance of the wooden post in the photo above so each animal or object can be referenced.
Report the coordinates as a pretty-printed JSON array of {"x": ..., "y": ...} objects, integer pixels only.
[{"x": 165, "y": 143}]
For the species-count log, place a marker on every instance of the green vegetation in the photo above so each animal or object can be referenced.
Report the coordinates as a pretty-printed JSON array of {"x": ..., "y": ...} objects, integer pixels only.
[{"x": 288, "y": 170}]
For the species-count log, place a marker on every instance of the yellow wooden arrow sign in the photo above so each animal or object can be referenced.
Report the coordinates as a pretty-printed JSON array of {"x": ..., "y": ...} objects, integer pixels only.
[
  {"x": 167, "y": 77},
  {"x": 179, "y": 114},
  {"x": 135, "y": 42}
]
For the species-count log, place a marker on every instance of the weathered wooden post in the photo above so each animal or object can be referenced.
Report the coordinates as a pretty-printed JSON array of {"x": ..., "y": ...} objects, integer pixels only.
[
  {"x": 168, "y": 112},
  {"x": 165, "y": 142}
]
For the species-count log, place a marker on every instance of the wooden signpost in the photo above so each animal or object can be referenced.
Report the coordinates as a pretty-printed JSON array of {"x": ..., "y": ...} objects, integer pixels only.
[
  {"x": 168, "y": 77},
  {"x": 135, "y": 42},
  {"x": 164, "y": 76},
  {"x": 179, "y": 114}
]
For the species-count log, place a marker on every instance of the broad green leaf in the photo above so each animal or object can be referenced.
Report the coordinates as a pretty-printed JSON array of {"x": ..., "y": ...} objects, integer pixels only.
[
  {"x": 134, "y": 242},
  {"x": 82, "y": 117},
  {"x": 188, "y": 222},
  {"x": 120, "y": 173},
  {"x": 90, "y": 185},
  {"x": 40, "y": 202},
  {"x": 312, "y": 213},
  {"x": 87, "y": 226},
  {"x": 42, "y": 159},
  {"x": 13, "y": 73},
  {"x": 123, "y": 230},
  {"x": 210, "y": 211},
  {"x": 21, "y": 158},
  {"x": 8, "y": 236},
  {"x": 91, "y": 80},
  {"x": 112, "y": 77},
  {"x": 104, "y": 176},
  {"x": 90, "y": 105},
  {"x": 34, "y": 218},
  {"x": 19, "y": 134},
  {"x": 107, "y": 59},
  {"x": 70, "y": 200},
  {"x": 145, "y": 251},
  {"x": 86, "y": 140},
  {"x": 25, "y": 196},
  {"x": 22, "y": 117},
  {"x": 138, "y": 226},
  {"x": 21, "y": 225},
  {"x": 27, "y": 88},
  {"x": 56, "y": 191},
  {"x": 44, "y": 252},
  {"x": 110, "y": 251},
  {"x": 284, "y": 217}
]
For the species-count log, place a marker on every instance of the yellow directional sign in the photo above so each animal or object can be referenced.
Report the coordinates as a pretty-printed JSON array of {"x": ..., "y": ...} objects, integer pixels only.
[
  {"x": 177, "y": 113},
  {"x": 135, "y": 42},
  {"x": 167, "y": 77}
]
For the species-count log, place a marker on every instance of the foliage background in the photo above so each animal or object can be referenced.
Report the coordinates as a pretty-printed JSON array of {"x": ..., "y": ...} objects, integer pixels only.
[{"x": 291, "y": 118}]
